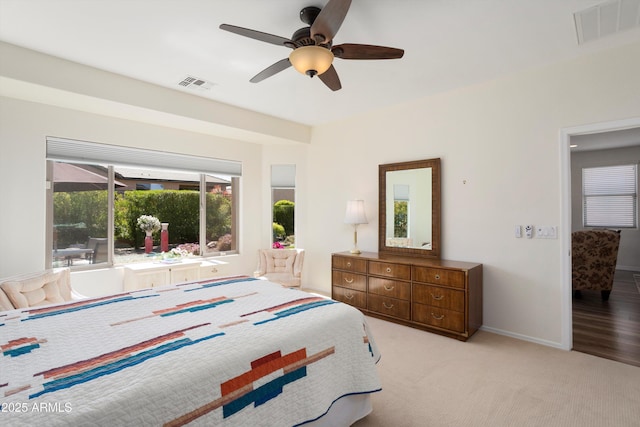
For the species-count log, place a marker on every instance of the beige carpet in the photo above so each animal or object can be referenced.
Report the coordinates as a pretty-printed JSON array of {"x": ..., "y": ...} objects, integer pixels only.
[{"x": 494, "y": 381}]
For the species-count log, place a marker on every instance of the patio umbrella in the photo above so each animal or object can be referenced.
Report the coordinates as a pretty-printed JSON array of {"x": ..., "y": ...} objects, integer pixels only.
[{"x": 68, "y": 177}]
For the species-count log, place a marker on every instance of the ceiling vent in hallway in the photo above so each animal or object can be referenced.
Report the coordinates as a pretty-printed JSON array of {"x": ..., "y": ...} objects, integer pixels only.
[
  {"x": 198, "y": 84},
  {"x": 606, "y": 18}
]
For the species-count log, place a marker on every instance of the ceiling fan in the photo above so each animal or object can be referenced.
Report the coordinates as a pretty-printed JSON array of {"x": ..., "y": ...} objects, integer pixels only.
[{"x": 313, "y": 50}]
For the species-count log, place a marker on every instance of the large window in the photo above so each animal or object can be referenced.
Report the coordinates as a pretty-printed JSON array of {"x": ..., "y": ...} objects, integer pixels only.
[
  {"x": 99, "y": 193},
  {"x": 610, "y": 196}
]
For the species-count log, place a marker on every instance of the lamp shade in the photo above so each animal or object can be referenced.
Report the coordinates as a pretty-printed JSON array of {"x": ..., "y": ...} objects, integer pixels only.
[
  {"x": 311, "y": 60},
  {"x": 355, "y": 213}
]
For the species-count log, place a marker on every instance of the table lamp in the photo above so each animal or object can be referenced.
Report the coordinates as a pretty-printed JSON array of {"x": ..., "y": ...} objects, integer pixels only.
[{"x": 355, "y": 215}]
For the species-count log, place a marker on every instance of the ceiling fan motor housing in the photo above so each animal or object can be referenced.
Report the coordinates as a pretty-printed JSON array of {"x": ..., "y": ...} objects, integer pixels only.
[{"x": 309, "y": 14}]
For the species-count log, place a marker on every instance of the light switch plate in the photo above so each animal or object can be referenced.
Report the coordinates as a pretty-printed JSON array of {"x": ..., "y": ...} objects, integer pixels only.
[
  {"x": 546, "y": 232},
  {"x": 518, "y": 231}
]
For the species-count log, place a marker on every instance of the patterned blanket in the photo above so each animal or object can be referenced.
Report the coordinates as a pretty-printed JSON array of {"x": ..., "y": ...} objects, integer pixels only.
[{"x": 234, "y": 352}]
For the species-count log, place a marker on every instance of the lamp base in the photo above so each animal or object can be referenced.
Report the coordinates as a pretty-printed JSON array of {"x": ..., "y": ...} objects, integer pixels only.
[{"x": 355, "y": 251}]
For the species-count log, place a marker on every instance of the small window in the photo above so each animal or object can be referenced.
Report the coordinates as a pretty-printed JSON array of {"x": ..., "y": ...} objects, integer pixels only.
[
  {"x": 283, "y": 197},
  {"x": 610, "y": 196}
]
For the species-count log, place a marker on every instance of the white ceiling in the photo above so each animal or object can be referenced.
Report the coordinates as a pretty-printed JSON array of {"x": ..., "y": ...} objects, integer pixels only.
[{"x": 448, "y": 44}]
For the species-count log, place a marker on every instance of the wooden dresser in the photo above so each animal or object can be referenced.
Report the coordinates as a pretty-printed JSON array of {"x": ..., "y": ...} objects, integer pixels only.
[{"x": 436, "y": 295}]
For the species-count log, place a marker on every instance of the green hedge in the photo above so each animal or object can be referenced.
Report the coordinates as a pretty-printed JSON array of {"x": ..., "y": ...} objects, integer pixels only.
[
  {"x": 283, "y": 214},
  {"x": 180, "y": 208}
]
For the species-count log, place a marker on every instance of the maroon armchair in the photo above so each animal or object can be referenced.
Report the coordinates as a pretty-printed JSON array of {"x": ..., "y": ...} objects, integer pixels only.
[{"x": 594, "y": 254}]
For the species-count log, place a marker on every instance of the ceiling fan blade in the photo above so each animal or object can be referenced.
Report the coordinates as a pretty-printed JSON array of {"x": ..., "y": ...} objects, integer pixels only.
[
  {"x": 331, "y": 79},
  {"x": 281, "y": 65},
  {"x": 329, "y": 20},
  {"x": 258, "y": 35},
  {"x": 365, "y": 51}
]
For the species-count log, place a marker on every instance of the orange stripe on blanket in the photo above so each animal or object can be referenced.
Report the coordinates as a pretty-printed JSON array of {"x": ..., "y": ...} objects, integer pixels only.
[
  {"x": 189, "y": 304},
  {"x": 114, "y": 355},
  {"x": 18, "y": 342},
  {"x": 273, "y": 364},
  {"x": 286, "y": 305},
  {"x": 228, "y": 398}
]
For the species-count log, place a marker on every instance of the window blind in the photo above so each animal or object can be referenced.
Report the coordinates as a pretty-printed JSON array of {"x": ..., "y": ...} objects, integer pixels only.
[
  {"x": 75, "y": 151},
  {"x": 610, "y": 196},
  {"x": 400, "y": 192},
  {"x": 283, "y": 176}
]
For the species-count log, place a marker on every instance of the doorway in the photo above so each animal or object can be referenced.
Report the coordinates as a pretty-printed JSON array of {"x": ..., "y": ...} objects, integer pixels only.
[{"x": 582, "y": 133}]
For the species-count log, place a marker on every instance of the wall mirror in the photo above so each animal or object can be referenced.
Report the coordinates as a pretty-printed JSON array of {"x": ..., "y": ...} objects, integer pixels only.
[{"x": 409, "y": 211}]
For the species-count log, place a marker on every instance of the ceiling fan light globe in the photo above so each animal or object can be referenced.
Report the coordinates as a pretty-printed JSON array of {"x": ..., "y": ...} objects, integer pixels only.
[{"x": 311, "y": 60}]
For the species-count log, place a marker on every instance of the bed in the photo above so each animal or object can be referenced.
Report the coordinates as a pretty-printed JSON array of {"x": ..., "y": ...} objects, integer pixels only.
[{"x": 236, "y": 351}]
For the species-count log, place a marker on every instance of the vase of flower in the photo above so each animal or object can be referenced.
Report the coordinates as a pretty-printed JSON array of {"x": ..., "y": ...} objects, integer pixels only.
[
  {"x": 149, "y": 224},
  {"x": 164, "y": 237}
]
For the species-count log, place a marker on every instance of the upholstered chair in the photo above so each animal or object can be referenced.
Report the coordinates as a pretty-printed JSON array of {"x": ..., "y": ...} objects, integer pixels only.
[
  {"x": 35, "y": 289},
  {"x": 283, "y": 266},
  {"x": 594, "y": 254},
  {"x": 5, "y": 303}
]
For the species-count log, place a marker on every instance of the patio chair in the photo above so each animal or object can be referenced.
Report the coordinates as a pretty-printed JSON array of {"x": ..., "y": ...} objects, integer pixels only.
[{"x": 99, "y": 247}]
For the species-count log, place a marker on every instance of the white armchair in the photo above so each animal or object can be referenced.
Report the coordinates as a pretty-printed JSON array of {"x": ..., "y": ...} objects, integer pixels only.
[
  {"x": 283, "y": 266},
  {"x": 34, "y": 289}
]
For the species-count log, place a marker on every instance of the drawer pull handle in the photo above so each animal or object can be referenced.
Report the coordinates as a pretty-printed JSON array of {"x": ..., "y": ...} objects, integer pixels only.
[
  {"x": 214, "y": 270},
  {"x": 437, "y": 297},
  {"x": 349, "y": 281},
  {"x": 388, "y": 269},
  {"x": 437, "y": 277},
  {"x": 348, "y": 263},
  {"x": 437, "y": 317},
  {"x": 390, "y": 288},
  {"x": 348, "y": 296},
  {"x": 388, "y": 307}
]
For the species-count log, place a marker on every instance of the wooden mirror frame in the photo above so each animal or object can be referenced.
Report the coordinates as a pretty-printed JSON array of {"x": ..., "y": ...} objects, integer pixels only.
[{"x": 434, "y": 164}]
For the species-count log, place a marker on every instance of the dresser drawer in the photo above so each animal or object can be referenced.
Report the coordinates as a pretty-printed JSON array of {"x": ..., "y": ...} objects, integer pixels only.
[
  {"x": 349, "y": 280},
  {"x": 439, "y": 276},
  {"x": 350, "y": 264},
  {"x": 355, "y": 298},
  {"x": 387, "y": 269},
  {"x": 390, "y": 288},
  {"x": 438, "y": 296},
  {"x": 440, "y": 317},
  {"x": 389, "y": 306}
]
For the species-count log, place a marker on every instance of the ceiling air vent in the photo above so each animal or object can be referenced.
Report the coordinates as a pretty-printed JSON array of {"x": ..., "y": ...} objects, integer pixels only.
[
  {"x": 198, "y": 84},
  {"x": 606, "y": 18}
]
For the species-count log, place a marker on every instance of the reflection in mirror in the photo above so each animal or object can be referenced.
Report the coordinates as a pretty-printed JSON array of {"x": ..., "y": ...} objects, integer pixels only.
[
  {"x": 410, "y": 208},
  {"x": 411, "y": 191}
]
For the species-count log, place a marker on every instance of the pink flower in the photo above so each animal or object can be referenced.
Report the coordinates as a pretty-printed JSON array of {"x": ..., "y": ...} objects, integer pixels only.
[{"x": 277, "y": 245}]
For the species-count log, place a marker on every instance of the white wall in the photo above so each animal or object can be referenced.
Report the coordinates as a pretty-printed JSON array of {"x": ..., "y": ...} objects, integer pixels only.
[
  {"x": 502, "y": 138},
  {"x": 629, "y": 251}
]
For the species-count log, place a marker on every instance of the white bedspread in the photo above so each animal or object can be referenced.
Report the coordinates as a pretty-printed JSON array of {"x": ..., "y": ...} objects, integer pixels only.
[{"x": 233, "y": 352}]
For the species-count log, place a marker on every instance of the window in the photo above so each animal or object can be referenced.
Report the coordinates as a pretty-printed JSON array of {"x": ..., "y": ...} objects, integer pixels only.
[
  {"x": 98, "y": 192},
  {"x": 283, "y": 196},
  {"x": 610, "y": 196}
]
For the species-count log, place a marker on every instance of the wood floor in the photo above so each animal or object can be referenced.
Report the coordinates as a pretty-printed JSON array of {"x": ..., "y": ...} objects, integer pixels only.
[{"x": 610, "y": 329}]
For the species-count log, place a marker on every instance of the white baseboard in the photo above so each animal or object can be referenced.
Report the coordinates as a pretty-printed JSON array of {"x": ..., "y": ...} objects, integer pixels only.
[
  {"x": 628, "y": 267},
  {"x": 524, "y": 337}
]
